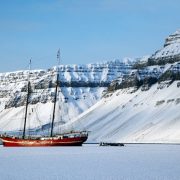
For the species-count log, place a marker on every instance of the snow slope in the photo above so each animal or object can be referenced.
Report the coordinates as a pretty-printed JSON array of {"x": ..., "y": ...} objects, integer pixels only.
[{"x": 151, "y": 116}]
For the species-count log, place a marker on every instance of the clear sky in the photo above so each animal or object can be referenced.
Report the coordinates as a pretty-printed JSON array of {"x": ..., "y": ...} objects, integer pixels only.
[{"x": 86, "y": 31}]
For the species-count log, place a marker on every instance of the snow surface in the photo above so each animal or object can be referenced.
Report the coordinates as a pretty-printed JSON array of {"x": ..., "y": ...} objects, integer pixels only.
[
  {"x": 142, "y": 116},
  {"x": 91, "y": 162}
]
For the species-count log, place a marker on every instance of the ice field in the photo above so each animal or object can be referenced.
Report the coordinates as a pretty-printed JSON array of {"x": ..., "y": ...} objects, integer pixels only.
[{"x": 91, "y": 162}]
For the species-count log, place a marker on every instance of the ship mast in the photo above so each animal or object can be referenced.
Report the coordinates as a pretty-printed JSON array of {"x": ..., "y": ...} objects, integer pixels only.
[
  {"x": 27, "y": 101},
  {"x": 55, "y": 99}
]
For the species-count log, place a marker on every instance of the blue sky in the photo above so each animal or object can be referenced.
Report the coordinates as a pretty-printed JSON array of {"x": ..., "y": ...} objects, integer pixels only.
[{"x": 85, "y": 31}]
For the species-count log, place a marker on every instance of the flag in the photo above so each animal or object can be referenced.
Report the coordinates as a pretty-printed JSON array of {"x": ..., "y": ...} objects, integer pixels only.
[
  {"x": 58, "y": 54},
  {"x": 30, "y": 64}
]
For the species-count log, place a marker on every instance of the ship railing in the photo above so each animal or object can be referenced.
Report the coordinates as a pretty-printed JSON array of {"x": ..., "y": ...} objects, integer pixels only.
[{"x": 73, "y": 134}]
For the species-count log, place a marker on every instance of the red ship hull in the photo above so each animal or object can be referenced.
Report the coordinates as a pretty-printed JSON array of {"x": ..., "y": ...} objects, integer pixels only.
[{"x": 54, "y": 141}]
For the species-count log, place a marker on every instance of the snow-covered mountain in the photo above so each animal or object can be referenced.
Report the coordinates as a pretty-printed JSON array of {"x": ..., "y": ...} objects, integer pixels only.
[
  {"x": 118, "y": 101},
  {"x": 81, "y": 86},
  {"x": 171, "y": 49},
  {"x": 142, "y": 106}
]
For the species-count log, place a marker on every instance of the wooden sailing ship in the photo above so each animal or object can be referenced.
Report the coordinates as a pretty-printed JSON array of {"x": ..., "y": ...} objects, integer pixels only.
[{"x": 65, "y": 139}]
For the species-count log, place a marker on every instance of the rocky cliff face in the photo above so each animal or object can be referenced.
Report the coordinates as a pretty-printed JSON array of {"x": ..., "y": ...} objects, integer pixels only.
[
  {"x": 81, "y": 86},
  {"x": 145, "y": 77},
  {"x": 173, "y": 38},
  {"x": 169, "y": 53},
  {"x": 13, "y": 86},
  {"x": 163, "y": 65}
]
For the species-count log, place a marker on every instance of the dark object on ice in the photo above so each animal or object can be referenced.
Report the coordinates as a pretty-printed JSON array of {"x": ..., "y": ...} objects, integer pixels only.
[{"x": 110, "y": 144}]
